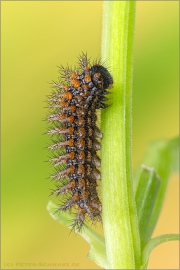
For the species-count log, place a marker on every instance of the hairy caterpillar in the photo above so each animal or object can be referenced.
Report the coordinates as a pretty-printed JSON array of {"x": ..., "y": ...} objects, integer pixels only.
[{"x": 73, "y": 108}]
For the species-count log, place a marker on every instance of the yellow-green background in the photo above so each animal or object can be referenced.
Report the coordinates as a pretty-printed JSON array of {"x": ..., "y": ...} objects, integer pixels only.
[{"x": 36, "y": 37}]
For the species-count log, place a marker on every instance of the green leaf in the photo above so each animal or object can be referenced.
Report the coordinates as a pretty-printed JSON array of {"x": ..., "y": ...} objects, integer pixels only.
[
  {"x": 173, "y": 147},
  {"x": 146, "y": 194},
  {"x": 97, "y": 252},
  {"x": 153, "y": 243},
  {"x": 97, "y": 243},
  {"x": 163, "y": 156}
]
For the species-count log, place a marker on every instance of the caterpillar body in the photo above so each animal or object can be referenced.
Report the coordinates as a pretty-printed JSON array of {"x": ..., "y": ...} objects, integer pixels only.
[{"x": 73, "y": 107}]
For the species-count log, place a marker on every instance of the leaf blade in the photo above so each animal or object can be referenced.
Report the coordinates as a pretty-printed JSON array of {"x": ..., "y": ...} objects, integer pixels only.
[
  {"x": 97, "y": 252},
  {"x": 163, "y": 156},
  {"x": 146, "y": 195}
]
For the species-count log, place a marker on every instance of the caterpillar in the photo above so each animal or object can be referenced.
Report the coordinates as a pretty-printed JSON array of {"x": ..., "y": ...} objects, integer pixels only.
[{"x": 73, "y": 106}]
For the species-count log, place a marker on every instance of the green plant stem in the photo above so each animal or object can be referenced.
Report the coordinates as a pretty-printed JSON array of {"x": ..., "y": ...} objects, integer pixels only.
[
  {"x": 119, "y": 208},
  {"x": 153, "y": 243}
]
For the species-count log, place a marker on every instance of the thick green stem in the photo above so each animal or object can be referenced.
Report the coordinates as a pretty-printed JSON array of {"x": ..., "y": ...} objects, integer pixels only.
[{"x": 119, "y": 208}]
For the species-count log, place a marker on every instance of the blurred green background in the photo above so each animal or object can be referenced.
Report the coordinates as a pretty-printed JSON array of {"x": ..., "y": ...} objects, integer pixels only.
[{"x": 36, "y": 38}]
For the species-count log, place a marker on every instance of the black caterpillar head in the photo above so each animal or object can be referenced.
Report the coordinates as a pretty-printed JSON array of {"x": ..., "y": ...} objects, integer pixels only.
[{"x": 105, "y": 75}]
